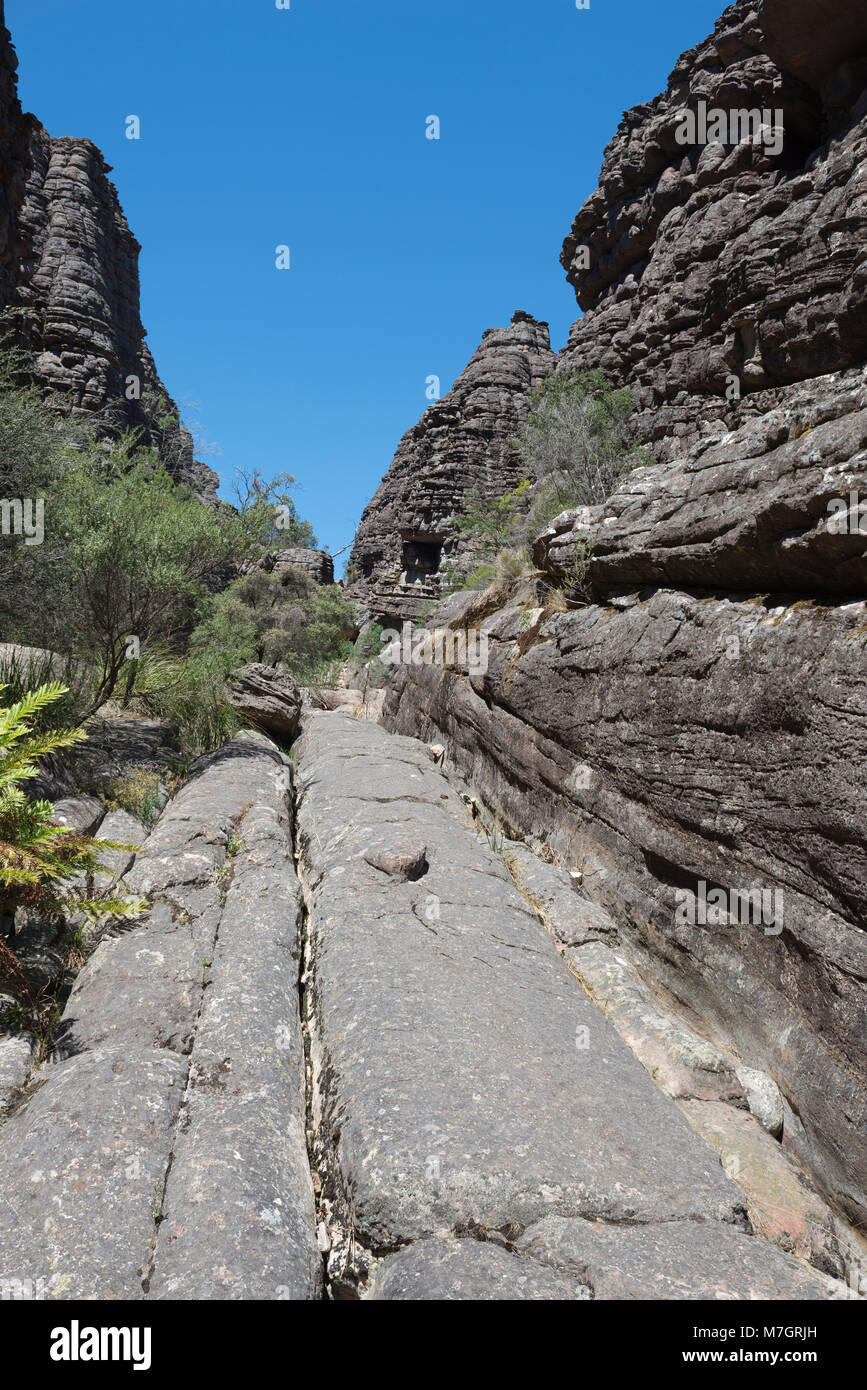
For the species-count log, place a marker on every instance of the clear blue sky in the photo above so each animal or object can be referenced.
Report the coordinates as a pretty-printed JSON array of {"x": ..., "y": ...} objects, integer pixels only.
[{"x": 306, "y": 127}]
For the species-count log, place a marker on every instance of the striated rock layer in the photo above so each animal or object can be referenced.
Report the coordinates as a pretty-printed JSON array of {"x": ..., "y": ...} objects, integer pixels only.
[
  {"x": 462, "y": 443},
  {"x": 698, "y": 728},
  {"x": 742, "y": 266},
  {"x": 69, "y": 268}
]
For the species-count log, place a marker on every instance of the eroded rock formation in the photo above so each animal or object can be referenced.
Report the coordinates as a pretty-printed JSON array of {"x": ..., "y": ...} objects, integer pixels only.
[
  {"x": 403, "y": 1018},
  {"x": 707, "y": 269},
  {"x": 695, "y": 728},
  {"x": 69, "y": 268},
  {"x": 463, "y": 443}
]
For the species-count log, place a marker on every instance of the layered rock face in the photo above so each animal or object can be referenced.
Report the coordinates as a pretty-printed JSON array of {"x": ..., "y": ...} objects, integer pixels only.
[
  {"x": 691, "y": 735},
  {"x": 462, "y": 443},
  {"x": 69, "y": 267},
  {"x": 735, "y": 265}
]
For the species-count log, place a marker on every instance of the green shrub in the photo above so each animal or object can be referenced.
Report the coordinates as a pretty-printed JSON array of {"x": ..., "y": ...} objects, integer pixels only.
[
  {"x": 283, "y": 619},
  {"x": 574, "y": 443},
  {"x": 23, "y": 669}
]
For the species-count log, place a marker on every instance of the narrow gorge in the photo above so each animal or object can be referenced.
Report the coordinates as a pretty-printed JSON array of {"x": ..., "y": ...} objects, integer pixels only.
[{"x": 533, "y": 977}]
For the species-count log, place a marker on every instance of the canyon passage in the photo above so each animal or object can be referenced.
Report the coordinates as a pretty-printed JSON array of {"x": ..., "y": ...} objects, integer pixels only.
[{"x": 509, "y": 943}]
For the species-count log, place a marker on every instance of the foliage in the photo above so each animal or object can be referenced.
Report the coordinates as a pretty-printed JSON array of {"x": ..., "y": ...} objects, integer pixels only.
[
  {"x": 283, "y": 619},
  {"x": 188, "y": 691},
  {"x": 138, "y": 553},
  {"x": 574, "y": 442},
  {"x": 269, "y": 513},
  {"x": 139, "y": 792},
  {"x": 490, "y": 521},
  {"x": 41, "y": 861},
  {"x": 23, "y": 669}
]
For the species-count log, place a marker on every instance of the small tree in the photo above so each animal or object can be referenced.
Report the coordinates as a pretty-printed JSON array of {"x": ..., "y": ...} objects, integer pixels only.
[
  {"x": 269, "y": 513},
  {"x": 139, "y": 552},
  {"x": 490, "y": 521},
  {"x": 281, "y": 619}
]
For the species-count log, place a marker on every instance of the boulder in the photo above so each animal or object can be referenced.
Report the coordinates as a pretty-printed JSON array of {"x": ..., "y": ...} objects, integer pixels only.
[
  {"x": 83, "y": 814},
  {"x": 267, "y": 697}
]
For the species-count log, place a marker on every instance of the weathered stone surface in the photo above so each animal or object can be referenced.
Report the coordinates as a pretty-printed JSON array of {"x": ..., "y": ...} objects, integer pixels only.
[
  {"x": 69, "y": 261},
  {"x": 122, "y": 829},
  {"x": 570, "y": 917},
  {"x": 181, "y": 1102},
  {"x": 782, "y": 1208},
  {"x": 40, "y": 945},
  {"x": 710, "y": 759},
  {"x": 83, "y": 814},
  {"x": 238, "y": 1211},
  {"x": 147, "y": 981},
  {"x": 763, "y": 1098},
  {"x": 316, "y": 564},
  {"x": 776, "y": 506},
  {"x": 462, "y": 443},
  {"x": 680, "y": 1062},
  {"x": 706, "y": 263},
  {"x": 679, "y": 1260},
  {"x": 463, "y": 1077},
  {"x": 82, "y": 1167},
  {"x": 17, "y": 1054},
  {"x": 268, "y": 697},
  {"x": 469, "y": 1270}
]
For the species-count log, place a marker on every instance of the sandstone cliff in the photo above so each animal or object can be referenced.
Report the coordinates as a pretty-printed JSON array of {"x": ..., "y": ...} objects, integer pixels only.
[
  {"x": 69, "y": 266},
  {"x": 728, "y": 267},
  {"x": 697, "y": 727},
  {"x": 461, "y": 444}
]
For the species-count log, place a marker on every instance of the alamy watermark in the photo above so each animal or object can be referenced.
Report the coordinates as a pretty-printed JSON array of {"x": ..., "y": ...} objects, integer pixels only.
[
  {"x": 22, "y": 516},
  {"x": 717, "y": 126},
  {"x": 419, "y": 647},
  {"x": 848, "y": 518},
  {"x": 722, "y": 907}
]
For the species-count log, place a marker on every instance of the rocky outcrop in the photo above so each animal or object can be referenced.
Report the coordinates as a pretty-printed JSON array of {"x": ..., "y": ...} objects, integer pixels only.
[
  {"x": 462, "y": 443},
  {"x": 738, "y": 265},
  {"x": 266, "y": 696},
  {"x": 69, "y": 270},
  {"x": 316, "y": 564},
  {"x": 692, "y": 730},
  {"x": 665, "y": 740},
  {"x": 778, "y": 506},
  {"x": 364, "y": 1086}
]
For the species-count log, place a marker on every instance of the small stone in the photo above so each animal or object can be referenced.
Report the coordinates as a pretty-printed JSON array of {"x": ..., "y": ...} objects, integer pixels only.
[{"x": 763, "y": 1098}]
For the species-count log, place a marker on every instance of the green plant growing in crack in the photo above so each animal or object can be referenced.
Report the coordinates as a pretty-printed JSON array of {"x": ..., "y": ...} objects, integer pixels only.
[
  {"x": 158, "y": 1198},
  {"x": 234, "y": 846},
  {"x": 496, "y": 839}
]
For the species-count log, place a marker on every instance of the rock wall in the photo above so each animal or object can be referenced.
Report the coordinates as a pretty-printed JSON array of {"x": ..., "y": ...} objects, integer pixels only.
[
  {"x": 462, "y": 442},
  {"x": 712, "y": 268},
  {"x": 693, "y": 729},
  {"x": 69, "y": 266}
]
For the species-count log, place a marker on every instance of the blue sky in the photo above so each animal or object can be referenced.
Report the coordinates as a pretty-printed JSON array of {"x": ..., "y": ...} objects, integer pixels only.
[{"x": 306, "y": 127}]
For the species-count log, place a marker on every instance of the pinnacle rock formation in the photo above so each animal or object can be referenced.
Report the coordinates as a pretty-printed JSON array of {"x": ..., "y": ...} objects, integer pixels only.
[
  {"x": 462, "y": 443},
  {"x": 69, "y": 272}
]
